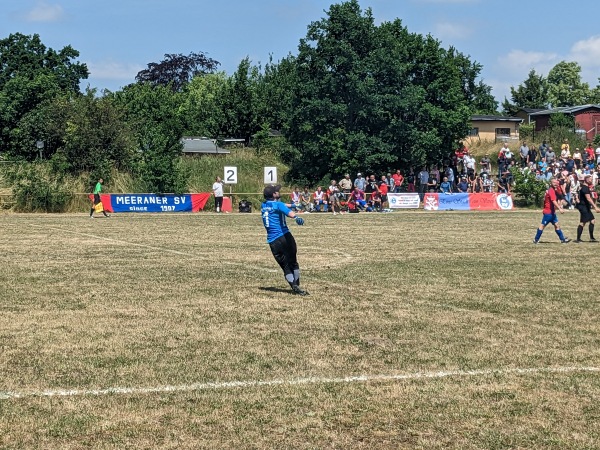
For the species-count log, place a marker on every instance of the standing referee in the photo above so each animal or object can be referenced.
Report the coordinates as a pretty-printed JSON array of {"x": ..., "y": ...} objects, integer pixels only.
[
  {"x": 279, "y": 238},
  {"x": 585, "y": 206}
]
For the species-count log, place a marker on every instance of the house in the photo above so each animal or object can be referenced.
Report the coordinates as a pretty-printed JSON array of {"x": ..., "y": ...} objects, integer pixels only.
[
  {"x": 193, "y": 145},
  {"x": 587, "y": 118},
  {"x": 525, "y": 114},
  {"x": 494, "y": 128}
]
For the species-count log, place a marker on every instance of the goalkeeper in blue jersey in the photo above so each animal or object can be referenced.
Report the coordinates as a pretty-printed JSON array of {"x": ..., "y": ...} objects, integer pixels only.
[{"x": 279, "y": 238}]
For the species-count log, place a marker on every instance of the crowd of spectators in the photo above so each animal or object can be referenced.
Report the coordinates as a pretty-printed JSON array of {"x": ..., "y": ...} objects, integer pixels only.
[{"x": 460, "y": 173}]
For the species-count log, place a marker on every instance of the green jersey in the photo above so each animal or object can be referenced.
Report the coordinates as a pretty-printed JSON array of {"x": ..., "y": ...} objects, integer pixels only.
[{"x": 98, "y": 188}]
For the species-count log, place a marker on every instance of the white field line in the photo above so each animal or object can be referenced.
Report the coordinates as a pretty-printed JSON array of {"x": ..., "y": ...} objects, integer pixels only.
[
  {"x": 211, "y": 386},
  {"x": 151, "y": 247}
]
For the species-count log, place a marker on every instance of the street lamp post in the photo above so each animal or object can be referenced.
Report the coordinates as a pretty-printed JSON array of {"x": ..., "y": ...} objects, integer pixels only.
[{"x": 40, "y": 147}]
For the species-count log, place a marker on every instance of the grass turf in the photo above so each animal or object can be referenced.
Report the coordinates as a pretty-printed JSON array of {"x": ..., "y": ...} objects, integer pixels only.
[{"x": 146, "y": 301}]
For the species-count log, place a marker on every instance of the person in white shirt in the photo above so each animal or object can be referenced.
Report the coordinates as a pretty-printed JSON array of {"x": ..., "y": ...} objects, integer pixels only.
[{"x": 218, "y": 193}]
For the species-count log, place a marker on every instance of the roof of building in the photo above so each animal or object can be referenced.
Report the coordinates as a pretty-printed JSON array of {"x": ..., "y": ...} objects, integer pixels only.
[
  {"x": 531, "y": 110},
  {"x": 201, "y": 145},
  {"x": 564, "y": 110},
  {"x": 489, "y": 118}
]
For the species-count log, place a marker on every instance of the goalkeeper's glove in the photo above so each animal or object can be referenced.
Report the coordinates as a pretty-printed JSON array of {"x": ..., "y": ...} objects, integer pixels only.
[{"x": 299, "y": 220}]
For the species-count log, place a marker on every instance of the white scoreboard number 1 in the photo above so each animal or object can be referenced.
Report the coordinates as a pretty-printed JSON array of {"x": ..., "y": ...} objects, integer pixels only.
[
  {"x": 270, "y": 175},
  {"x": 230, "y": 175}
]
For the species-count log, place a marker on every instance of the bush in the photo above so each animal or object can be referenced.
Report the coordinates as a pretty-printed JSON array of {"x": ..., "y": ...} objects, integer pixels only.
[
  {"x": 36, "y": 189},
  {"x": 528, "y": 189}
]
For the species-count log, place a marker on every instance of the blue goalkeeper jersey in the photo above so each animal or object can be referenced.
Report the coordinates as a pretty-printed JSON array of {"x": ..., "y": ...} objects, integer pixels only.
[{"x": 273, "y": 215}]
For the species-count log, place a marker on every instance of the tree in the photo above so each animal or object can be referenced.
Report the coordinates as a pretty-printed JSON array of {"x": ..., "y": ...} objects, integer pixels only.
[
  {"x": 202, "y": 105},
  {"x": 533, "y": 93},
  {"x": 153, "y": 112},
  {"x": 565, "y": 87},
  {"x": 239, "y": 102},
  {"x": 32, "y": 75},
  {"x": 375, "y": 97},
  {"x": 177, "y": 70}
]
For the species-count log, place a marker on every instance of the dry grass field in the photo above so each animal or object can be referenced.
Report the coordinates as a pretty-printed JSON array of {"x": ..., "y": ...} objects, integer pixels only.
[{"x": 422, "y": 330}]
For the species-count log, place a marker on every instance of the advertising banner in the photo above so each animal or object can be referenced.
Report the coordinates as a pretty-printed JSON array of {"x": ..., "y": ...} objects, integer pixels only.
[
  {"x": 154, "y": 202},
  {"x": 468, "y": 202},
  {"x": 404, "y": 200}
]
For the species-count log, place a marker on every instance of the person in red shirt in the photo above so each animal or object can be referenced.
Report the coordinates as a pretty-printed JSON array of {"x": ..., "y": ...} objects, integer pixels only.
[
  {"x": 383, "y": 191},
  {"x": 551, "y": 204},
  {"x": 398, "y": 180},
  {"x": 590, "y": 153}
]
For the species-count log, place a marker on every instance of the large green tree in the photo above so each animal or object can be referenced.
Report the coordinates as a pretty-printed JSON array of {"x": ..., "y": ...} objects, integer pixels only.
[
  {"x": 152, "y": 111},
  {"x": 375, "y": 97},
  {"x": 565, "y": 87},
  {"x": 32, "y": 75},
  {"x": 532, "y": 93}
]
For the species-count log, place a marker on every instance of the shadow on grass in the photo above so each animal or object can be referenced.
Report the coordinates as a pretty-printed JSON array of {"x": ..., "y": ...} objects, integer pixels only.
[{"x": 275, "y": 289}]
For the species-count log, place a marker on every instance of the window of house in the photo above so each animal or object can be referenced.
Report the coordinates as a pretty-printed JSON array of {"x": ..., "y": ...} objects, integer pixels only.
[
  {"x": 474, "y": 131},
  {"x": 502, "y": 131}
]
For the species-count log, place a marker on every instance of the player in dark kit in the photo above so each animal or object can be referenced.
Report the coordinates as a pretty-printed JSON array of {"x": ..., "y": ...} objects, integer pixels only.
[
  {"x": 279, "y": 238},
  {"x": 585, "y": 206}
]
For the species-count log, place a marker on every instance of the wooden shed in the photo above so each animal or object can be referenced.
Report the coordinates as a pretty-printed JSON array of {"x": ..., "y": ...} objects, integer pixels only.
[
  {"x": 494, "y": 128},
  {"x": 587, "y": 118}
]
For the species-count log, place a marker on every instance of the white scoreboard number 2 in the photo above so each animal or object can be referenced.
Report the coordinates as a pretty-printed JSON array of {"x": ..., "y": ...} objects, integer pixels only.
[
  {"x": 270, "y": 175},
  {"x": 230, "y": 175}
]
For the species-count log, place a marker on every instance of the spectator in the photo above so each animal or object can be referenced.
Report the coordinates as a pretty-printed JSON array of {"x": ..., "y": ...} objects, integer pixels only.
[
  {"x": 346, "y": 186},
  {"x": 504, "y": 184},
  {"x": 305, "y": 202},
  {"x": 565, "y": 151},
  {"x": 524, "y": 153},
  {"x": 463, "y": 185},
  {"x": 449, "y": 173},
  {"x": 320, "y": 200},
  {"x": 371, "y": 186},
  {"x": 469, "y": 163},
  {"x": 435, "y": 173},
  {"x": 423, "y": 179},
  {"x": 383, "y": 191},
  {"x": 550, "y": 156},
  {"x": 376, "y": 200},
  {"x": 598, "y": 155},
  {"x": 390, "y": 182},
  {"x": 333, "y": 195},
  {"x": 570, "y": 164},
  {"x": 296, "y": 198},
  {"x": 446, "y": 186},
  {"x": 485, "y": 164},
  {"x": 432, "y": 184},
  {"x": 410, "y": 179},
  {"x": 398, "y": 180},
  {"x": 357, "y": 198},
  {"x": 577, "y": 158},
  {"x": 543, "y": 149},
  {"x": 487, "y": 183},
  {"x": 217, "y": 188},
  {"x": 477, "y": 187},
  {"x": 532, "y": 157},
  {"x": 575, "y": 188},
  {"x": 360, "y": 182}
]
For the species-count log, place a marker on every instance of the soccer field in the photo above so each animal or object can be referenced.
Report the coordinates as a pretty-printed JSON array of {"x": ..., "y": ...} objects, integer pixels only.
[{"x": 422, "y": 330}]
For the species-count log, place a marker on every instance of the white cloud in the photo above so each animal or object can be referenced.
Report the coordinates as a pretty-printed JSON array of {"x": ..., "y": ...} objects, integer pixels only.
[
  {"x": 520, "y": 62},
  {"x": 112, "y": 70},
  {"x": 586, "y": 52},
  {"x": 44, "y": 12},
  {"x": 448, "y": 31}
]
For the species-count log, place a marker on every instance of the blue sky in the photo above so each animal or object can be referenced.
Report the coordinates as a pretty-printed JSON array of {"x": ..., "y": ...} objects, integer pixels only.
[{"x": 117, "y": 39}]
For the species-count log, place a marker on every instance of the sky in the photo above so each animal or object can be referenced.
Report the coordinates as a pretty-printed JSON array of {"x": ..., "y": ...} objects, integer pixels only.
[{"x": 117, "y": 39}]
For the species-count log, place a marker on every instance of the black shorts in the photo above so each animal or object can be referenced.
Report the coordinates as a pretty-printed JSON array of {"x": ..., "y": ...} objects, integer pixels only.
[
  {"x": 284, "y": 250},
  {"x": 96, "y": 199},
  {"x": 585, "y": 214}
]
